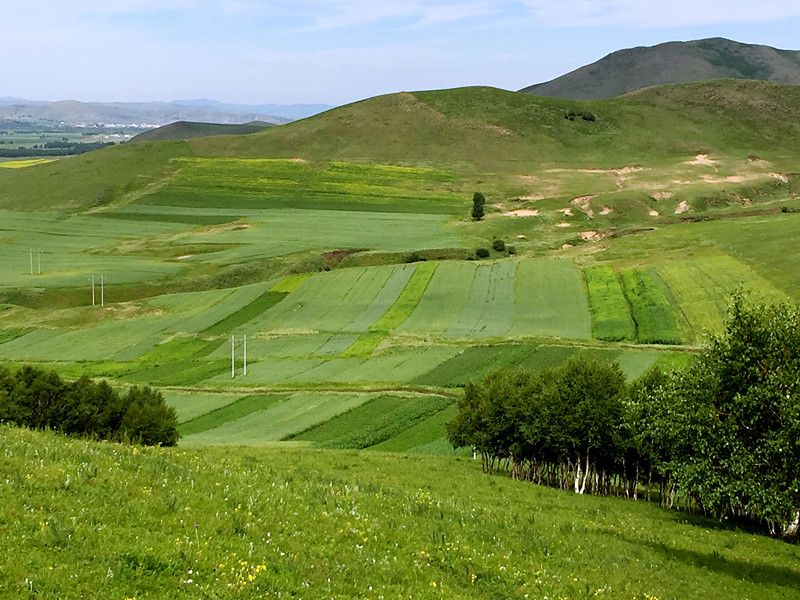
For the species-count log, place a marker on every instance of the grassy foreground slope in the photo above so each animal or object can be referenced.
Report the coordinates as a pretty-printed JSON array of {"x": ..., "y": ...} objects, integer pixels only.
[{"x": 101, "y": 520}]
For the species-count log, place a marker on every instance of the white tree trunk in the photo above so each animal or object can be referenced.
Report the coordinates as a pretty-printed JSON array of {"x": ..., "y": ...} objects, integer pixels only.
[
  {"x": 585, "y": 474},
  {"x": 793, "y": 528},
  {"x": 578, "y": 475}
]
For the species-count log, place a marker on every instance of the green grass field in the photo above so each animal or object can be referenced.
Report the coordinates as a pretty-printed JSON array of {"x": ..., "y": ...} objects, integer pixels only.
[{"x": 121, "y": 522}]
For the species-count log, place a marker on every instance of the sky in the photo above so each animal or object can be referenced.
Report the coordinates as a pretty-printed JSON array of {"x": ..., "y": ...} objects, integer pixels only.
[{"x": 337, "y": 51}]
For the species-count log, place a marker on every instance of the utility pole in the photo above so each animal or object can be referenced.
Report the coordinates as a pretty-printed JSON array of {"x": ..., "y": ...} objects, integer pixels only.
[
  {"x": 245, "y": 355},
  {"x": 39, "y": 261},
  {"x": 93, "y": 302},
  {"x": 233, "y": 357},
  {"x": 102, "y": 291}
]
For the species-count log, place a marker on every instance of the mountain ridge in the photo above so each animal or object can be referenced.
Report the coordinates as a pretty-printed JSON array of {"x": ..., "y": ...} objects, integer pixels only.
[{"x": 675, "y": 62}]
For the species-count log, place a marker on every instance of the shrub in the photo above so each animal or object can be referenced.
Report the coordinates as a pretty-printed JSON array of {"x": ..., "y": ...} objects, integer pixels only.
[
  {"x": 499, "y": 246},
  {"x": 482, "y": 252},
  {"x": 512, "y": 250}
]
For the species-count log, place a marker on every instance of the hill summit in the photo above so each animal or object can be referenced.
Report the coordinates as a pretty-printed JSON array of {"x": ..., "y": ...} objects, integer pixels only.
[{"x": 673, "y": 62}]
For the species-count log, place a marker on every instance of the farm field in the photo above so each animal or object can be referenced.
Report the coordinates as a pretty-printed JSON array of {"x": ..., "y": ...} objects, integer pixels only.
[
  {"x": 321, "y": 345},
  {"x": 353, "y": 272}
]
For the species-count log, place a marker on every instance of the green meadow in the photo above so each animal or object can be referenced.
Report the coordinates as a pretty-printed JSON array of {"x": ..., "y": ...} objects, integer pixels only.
[{"x": 121, "y": 522}]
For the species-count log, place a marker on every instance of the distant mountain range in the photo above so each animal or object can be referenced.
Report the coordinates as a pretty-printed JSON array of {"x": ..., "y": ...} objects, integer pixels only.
[
  {"x": 674, "y": 62},
  {"x": 150, "y": 114}
]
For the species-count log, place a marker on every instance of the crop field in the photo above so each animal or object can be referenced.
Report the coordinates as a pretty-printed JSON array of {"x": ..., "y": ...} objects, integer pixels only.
[
  {"x": 24, "y": 163},
  {"x": 321, "y": 345},
  {"x": 611, "y": 318},
  {"x": 211, "y": 248},
  {"x": 702, "y": 287},
  {"x": 258, "y": 420},
  {"x": 296, "y": 183},
  {"x": 651, "y": 311}
]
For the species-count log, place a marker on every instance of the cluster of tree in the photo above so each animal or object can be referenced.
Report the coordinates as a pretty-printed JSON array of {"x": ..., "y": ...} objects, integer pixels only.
[
  {"x": 721, "y": 436},
  {"x": 40, "y": 399},
  {"x": 60, "y": 149}
]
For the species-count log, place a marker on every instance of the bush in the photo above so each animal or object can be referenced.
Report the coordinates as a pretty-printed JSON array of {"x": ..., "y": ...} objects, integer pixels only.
[
  {"x": 585, "y": 115},
  {"x": 512, "y": 250},
  {"x": 499, "y": 246},
  {"x": 414, "y": 257},
  {"x": 482, "y": 252}
]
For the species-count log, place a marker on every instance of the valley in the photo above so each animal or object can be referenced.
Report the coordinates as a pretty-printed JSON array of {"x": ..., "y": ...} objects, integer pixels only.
[{"x": 341, "y": 248}]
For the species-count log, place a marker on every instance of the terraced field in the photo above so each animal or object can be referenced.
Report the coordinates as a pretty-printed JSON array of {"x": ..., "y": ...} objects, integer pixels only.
[{"x": 348, "y": 355}]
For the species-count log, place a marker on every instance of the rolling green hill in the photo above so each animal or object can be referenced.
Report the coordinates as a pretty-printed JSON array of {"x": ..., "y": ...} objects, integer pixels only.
[
  {"x": 472, "y": 130},
  {"x": 674, "y": 62},
  {"x": 96, "y": 519},
  {"x": 187, "y": 130},
  {"x": 494, "y": 129}
]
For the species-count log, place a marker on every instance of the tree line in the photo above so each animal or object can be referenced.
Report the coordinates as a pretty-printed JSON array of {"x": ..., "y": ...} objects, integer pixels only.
[
  {"x": 720, "y": 437},
  {"x": 40, "y": 399}
]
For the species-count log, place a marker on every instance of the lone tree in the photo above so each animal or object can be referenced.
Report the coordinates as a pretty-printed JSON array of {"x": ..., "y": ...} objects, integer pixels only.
[{"x": 478, "y": 201}]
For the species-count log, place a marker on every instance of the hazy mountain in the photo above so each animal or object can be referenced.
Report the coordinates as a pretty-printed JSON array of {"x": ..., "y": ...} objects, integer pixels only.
[
  {"x": 150, "y": 114},
  {"x": 673, "y": 62}
]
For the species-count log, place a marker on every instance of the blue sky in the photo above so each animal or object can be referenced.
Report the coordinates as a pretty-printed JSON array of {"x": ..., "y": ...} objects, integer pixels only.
[{"x": 335, "y": 51}]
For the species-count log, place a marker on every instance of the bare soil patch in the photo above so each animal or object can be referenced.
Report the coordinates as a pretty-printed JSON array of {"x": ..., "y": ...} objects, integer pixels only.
[
  {"x": 682, "y": 207},
  {"x": 702, "y": 160},
  {"x": 522, "y": 212},
  {"x": 661, "y": 195},
  {"x": 591, "y": 236},
  {"x": 584, "y": 204}
]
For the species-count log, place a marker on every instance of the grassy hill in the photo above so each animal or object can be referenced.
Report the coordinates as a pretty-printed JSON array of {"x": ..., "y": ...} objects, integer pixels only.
[
  {"x": 89, "y": 180},
  {"x": 100, "y": 519},
  {"x": 494, "y": 129},
  {"x": 674, "y": 62},
  {"x": 186, "y": 130},
  {"x": 470, "y": 130}
]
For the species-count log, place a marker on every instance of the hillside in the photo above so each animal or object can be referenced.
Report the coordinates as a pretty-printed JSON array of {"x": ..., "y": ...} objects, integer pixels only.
[
  {"x": 476, "y": 129},
  {"x": 492, "y": 129},
  {"x": 673, "y": 62},
  {"x": 96, "y": 518},
  {"x": 187, "y": 130}
]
